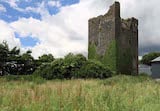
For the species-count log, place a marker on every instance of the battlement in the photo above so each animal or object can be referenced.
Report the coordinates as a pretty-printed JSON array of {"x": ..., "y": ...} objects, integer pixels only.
[{"x": 130, "y": 23}]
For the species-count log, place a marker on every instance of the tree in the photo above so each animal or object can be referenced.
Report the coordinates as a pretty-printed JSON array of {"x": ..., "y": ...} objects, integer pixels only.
[
  {"x": 8, "y": 57},
  {"x": 72, "y": 63},
  {"x": 26, "y": 61},
  {"x": 46, "y": 58},
  {"x": 4, "y": 50},
  {"x": 73, "y": 66},
  {"x": 61, "y": 68},
  {"x": 13, "y": 54},
  {"x": 12, "y": 62},
  {"x": 146, "y": 59}
]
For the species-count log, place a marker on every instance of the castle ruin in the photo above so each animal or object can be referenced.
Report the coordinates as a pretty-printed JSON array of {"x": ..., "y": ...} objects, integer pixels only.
[{"x": 114, "y": 41}]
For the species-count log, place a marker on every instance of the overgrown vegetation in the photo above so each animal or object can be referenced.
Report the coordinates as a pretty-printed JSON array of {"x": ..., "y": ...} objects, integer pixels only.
[
  {"x": 93, "y": 52},
  {"x": 24, "y": 78},
  {"x": 125, "y": 59},
  {"x": 119, "y": 93},
  {"x": 146, "y": 59},
  {"x": 12, "y": 62},
  {"x": 24, "y": 87},
  {"x": 73, "y": 66},
  {"x": 47, "y": 67},
  {"x": 109, "y": 59}
]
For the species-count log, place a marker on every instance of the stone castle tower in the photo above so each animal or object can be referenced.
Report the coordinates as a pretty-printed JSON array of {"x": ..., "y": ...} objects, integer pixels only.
[{"x": 114, "y": 41}]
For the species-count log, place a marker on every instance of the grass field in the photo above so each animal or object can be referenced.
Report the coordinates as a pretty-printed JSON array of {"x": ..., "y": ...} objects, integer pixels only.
[{"x": 120, "y": 93}]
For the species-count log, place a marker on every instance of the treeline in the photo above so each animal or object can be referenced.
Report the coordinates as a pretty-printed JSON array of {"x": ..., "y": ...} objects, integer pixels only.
[
  {"x": 12, "y": 62},
  {"x": 147, "y": 58}
]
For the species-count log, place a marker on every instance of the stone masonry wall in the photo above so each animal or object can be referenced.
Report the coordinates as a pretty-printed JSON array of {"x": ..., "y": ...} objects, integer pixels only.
[{"x": 114, "y": 41}]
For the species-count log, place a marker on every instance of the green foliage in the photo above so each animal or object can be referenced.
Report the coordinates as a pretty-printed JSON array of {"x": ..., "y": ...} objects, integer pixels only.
[
  {"x": 61, "y": 68},
  {"x": 3, "y": 53},
  {"x": 144, "y": 74},
  {"x": 120, "y": 93},
  {"x": 124, "y": 60},
  {"x": 44, "y": 71},
  {"x": 146, "y": 59},
  {"x": 30, "y": 78},
  {"x": 46, "y": 58},
  {"x": 73, "y": 66},
  {"x": 126, "y": 79},
  {"x": 26, "y": 63},
  {"x": 92, "y": 53},
  {"x": 18, "y": 78},
  {"x": 109, "y": 58},
  {"x": 7, "y": 55},
  {"x": 26, "y": 57},
  {"x": 13, "y": 54},
  {"x": 72, "y": 63},
  {"x": 14, "y": 63},
  {"x": 93, "y": 69}
]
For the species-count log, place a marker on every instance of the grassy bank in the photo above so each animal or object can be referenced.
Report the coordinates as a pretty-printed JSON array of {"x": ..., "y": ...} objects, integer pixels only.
[{"x": 120, "y": 93}]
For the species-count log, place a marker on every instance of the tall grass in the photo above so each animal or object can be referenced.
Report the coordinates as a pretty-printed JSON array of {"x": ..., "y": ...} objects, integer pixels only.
[{"x": 120, "y": 93}]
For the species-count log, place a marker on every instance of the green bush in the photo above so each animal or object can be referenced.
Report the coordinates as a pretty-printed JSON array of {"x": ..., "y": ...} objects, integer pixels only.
[
  {"x": 73, "y": 66},
  {"x": 61, "y": 68},
  {"x": 44, "y": 71},
  {"x": 93, "y": 69},
  {"x": 146, "y": 59}
]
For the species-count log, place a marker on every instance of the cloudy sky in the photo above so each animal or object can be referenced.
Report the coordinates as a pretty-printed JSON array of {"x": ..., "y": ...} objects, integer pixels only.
[{"x": 61, "y": 26}]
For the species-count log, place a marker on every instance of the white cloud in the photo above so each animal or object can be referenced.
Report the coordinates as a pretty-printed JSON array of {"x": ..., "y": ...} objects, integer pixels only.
[
  {"x": 54, "y": 3},
  {"x": 40, "y": 9},
  {"x": 62, "y": 33},
  {"x": 7, "y": 34},
  {"x": 12, "y": 3},
  {"x": 67, "y": 31},
  {"x": 147, "y": 13},
  {"x": 2, "y": 8},
  {"x": 37, "y": 9}
]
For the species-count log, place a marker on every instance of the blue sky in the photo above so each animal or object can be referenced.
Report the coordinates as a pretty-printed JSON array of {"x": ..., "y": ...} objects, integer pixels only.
[{"x": 13, "y": 13}]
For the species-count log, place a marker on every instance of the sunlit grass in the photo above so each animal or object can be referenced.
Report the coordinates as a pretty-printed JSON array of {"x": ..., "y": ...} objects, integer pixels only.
[{"x": 120, "y": 93}]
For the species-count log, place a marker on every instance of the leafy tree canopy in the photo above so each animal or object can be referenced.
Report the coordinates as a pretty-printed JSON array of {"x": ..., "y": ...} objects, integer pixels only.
[
  {"x": 12, "y": 62},
  {"x": 146, "y": 59},
  {"x": 4, "y": 50},
  {"x": 46, "y": 58}
]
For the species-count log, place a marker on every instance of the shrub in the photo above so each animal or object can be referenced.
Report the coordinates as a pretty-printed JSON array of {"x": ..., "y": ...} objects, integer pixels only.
[
  {"x": 61, "y": 68},
  {"x": 73, "y": 66},
  {"x": 72, "y": 63},
  {"x": 44, "y": 71},
  {"x": 94, "y": 69},
  {"x": 146, "y": 59}
]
